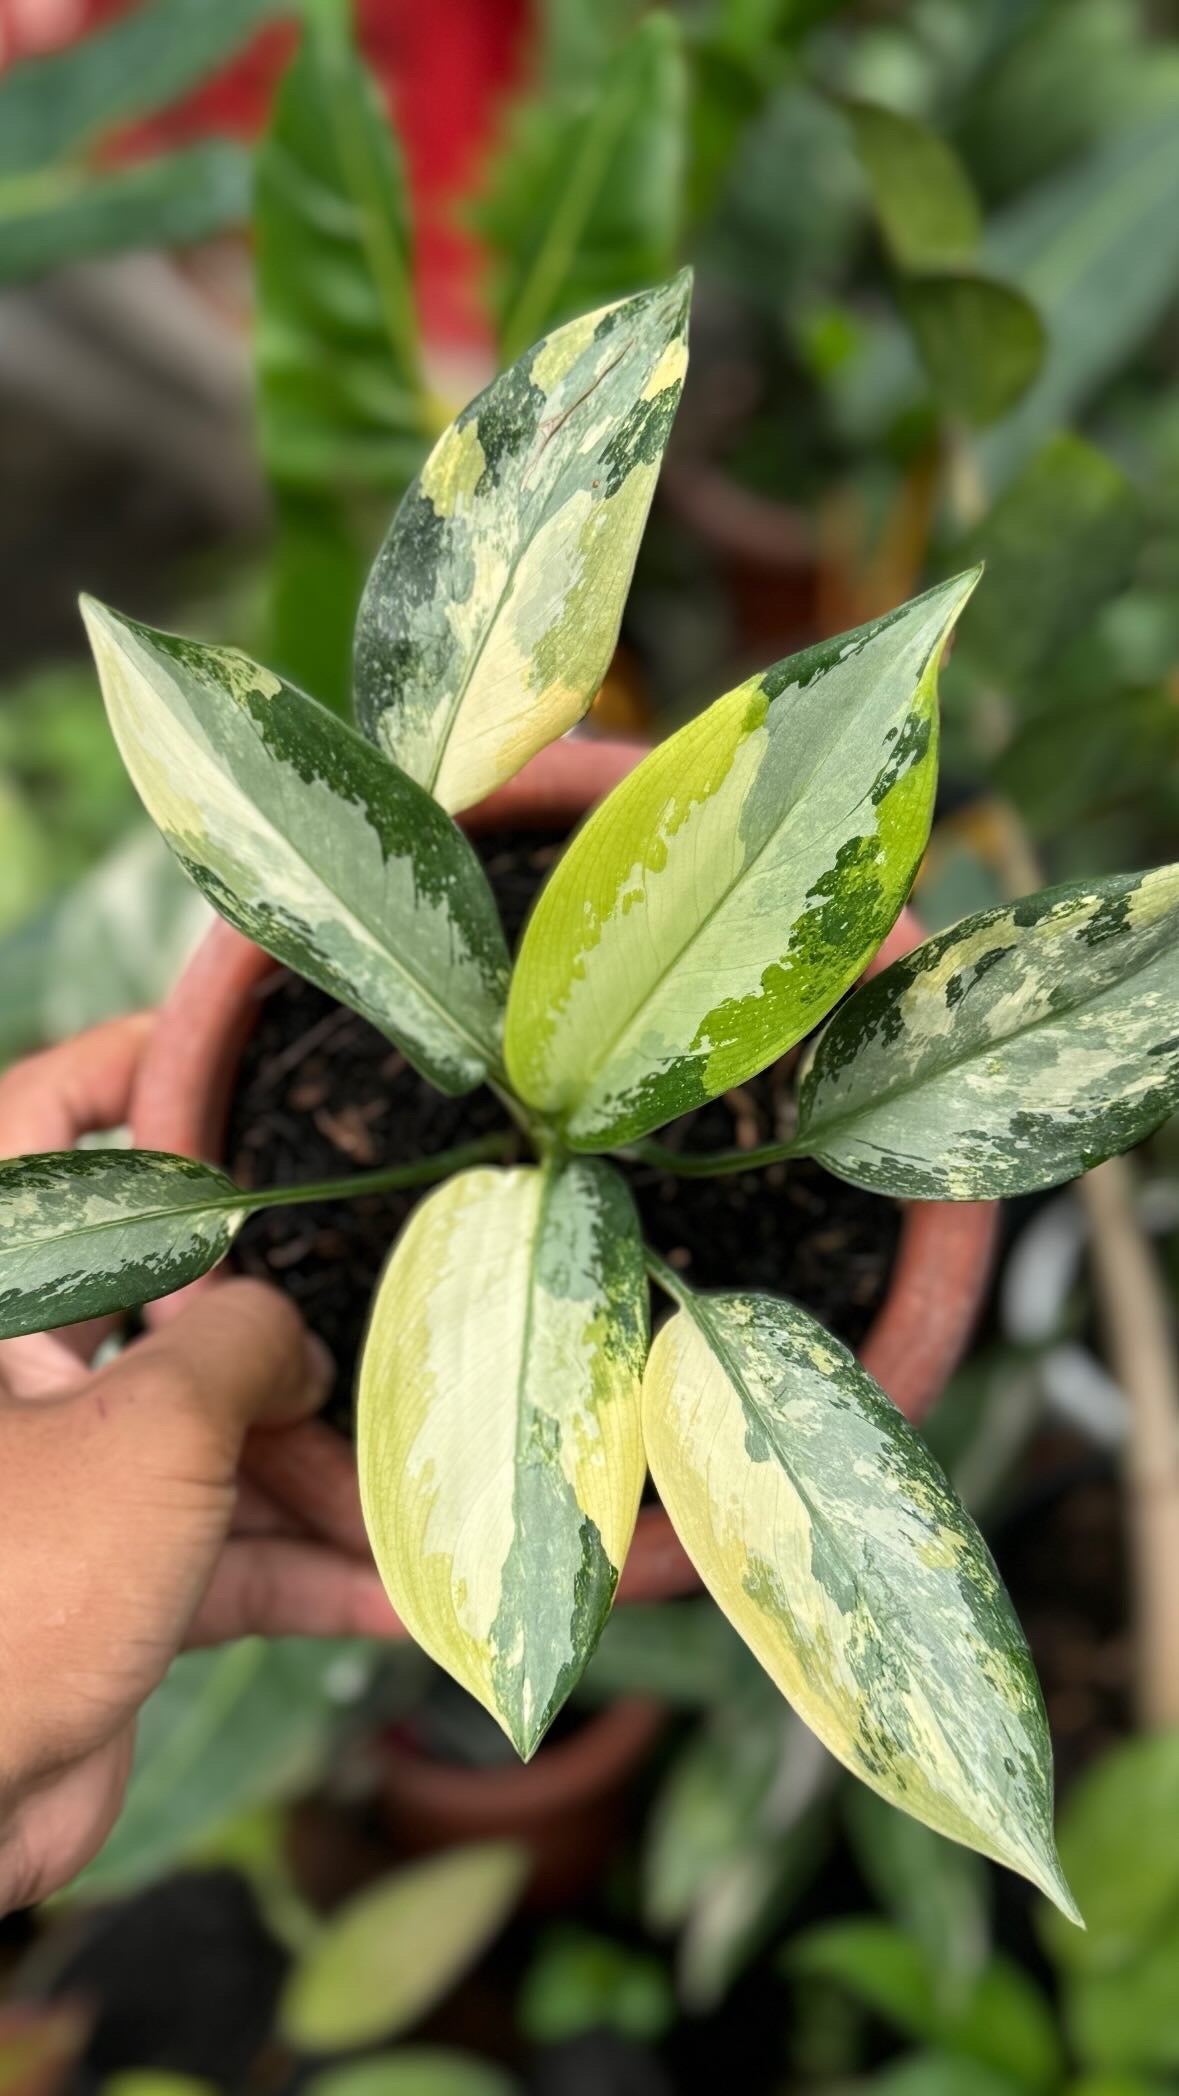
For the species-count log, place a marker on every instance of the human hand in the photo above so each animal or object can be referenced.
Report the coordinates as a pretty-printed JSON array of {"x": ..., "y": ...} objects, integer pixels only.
[{"x": 127, "y": 1529}]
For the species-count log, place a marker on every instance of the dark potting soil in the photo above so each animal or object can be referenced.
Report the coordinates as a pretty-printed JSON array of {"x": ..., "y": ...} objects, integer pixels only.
[{"x": 321, "y": 1093}]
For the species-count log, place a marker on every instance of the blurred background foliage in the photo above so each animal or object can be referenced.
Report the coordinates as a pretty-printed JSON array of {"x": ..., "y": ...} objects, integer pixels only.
[{"x": 936, "y": 320}]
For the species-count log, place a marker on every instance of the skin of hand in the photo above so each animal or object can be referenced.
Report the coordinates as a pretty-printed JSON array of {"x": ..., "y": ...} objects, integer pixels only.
[{"x": 180, "y": 1495}]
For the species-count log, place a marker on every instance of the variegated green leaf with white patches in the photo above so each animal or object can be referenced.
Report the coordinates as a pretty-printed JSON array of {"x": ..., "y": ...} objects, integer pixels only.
[
  {"x": 311, "y": 842},
  {"x": 824, "y": 1529},
  {"x": 86, "y": 1232},
  {"x": 498, "y": 1436},
  {"x": 1012, "y": 1052},
  {"x": 493, "y": 609},
  {"x": 714, "y": 908}
]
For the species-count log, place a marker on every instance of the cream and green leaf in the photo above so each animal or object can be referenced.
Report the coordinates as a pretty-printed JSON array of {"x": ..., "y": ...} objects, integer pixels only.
[
  {"x": 311, "y": 842},
  {"x": 826, "y": 1532},
  {"x": 493, "y": 608},
  {"x": 86, "y": 1232},
  {"x": 498, "y": 1434},
  {"x": 1014, "y": 1051},
  {"x": 714, "y": 908}
]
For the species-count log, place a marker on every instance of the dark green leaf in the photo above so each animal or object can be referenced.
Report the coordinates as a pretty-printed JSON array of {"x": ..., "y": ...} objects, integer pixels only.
[
  {"x": 1097, "y": 249},
  {"x": 1002, "y": 2021},
  {"x": 981, "y": 341},
  {"x": 936, "y": 1890},
  {"x": 585, "y": 202},
  {"x": 1058, "y": 542},
  {"x": 229, "y": 1730},
  {"x": 57, "y": 105},
  {"x": 69, "y": 212},
  {"x": 343, "y": 413}
]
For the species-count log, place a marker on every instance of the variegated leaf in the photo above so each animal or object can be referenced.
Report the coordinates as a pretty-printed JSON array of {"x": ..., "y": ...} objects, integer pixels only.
[
  {"x": 726, "y": 894},
  {"x": 492, "y": 611},
  {"x": 499, "y": 1445},
  {"x": 1012, "y": 1052},
  {"x": 85, "y": 1232},
  {"x": 823, "y": 1527},
  {"x": 311, "y": 842}
]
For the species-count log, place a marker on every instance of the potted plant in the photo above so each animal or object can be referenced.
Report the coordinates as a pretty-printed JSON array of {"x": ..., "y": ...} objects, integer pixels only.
[{"x": 709, "y": 915}]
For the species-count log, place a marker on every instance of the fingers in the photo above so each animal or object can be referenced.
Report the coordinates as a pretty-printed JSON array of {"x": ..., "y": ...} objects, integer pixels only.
[
  {"x": 236, "y": 1358},
  {"x": 51, "y": 1099},
  {"x": 311, "y": 1472},
  {"x": 274, "y": 1587}
]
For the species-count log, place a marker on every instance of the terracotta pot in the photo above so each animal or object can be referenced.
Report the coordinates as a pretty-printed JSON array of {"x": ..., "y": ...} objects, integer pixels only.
[
  {"x": 567, "y": 1799},
  {"x": 567, "y": 1804},
  {"x": 186, "y": 1079}
]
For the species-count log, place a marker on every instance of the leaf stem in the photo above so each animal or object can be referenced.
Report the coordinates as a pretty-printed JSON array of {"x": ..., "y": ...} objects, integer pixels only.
[
  {"x": 711, "y": 1164},
  {"x": 667, "y": 1278},
  {"x": 391, "y": 1179}
]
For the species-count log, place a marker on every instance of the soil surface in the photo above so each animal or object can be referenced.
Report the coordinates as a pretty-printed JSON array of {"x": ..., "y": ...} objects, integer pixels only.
[{"x": 321, "y": 1094}]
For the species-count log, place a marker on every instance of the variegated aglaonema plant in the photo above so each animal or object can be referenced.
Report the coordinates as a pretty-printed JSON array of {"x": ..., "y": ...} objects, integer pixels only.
[{"x": 710, "y": 914}]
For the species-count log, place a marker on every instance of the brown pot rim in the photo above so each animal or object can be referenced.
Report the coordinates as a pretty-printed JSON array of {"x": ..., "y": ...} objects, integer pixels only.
[
  {"x": 596, "y": 1757},
  {"x": 185, "y": 1080}
]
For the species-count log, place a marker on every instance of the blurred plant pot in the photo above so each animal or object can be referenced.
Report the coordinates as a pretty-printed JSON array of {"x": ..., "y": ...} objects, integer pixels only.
[
  {"x": 567, "y": 1805},
  {"x": 941, "y": 1271},
  {"x": 762, "y": 552}
]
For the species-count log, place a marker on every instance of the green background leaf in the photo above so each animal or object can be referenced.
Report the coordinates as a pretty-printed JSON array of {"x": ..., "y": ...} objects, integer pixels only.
[
  {"x": 922, "y": 194},
  {"x": 344, "y": 417},
  {"x": 394, "y": 1950},
  {"x": 585, "y": 202},
  {"x": 981, "y": 341}
]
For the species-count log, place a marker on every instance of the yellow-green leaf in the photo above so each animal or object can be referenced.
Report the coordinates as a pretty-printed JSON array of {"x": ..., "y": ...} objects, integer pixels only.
[
  {"x": 498, "y": 1436},
  {"x": 493, "y": 608},
  {"x": 383, "y": 1960},
  {"x": 310, "y": 842},
  {"x": 714, "y": 908},
  {"x": 825, "y": 1530},
  {"x": 1012, "y": 1052},
  {"x": 922, "y": 194}
]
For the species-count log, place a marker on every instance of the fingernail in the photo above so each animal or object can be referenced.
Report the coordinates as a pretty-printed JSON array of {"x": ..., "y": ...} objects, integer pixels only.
[{"x": 319, "y": 1368}]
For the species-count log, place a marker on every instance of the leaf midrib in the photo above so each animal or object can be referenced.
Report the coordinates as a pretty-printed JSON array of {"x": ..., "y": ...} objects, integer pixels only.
[
  {"x": 485, "y": 1052},
  {"x": 605, "y": 1053},
  {"x": 919, "y": 1081}
]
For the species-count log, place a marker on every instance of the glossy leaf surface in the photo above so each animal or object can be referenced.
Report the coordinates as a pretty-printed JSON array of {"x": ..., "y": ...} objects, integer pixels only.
[
  {"x": 824, "y": 1529},
  {"x": 499, "y": 1443},
  {"x": 492, "y": 613},
  {"x": 310, "y": 842},
  {"x": 85, "y": 1232},
  {"x": 713, "y": 909},
  {"x": 1013, "y": 1052}
]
